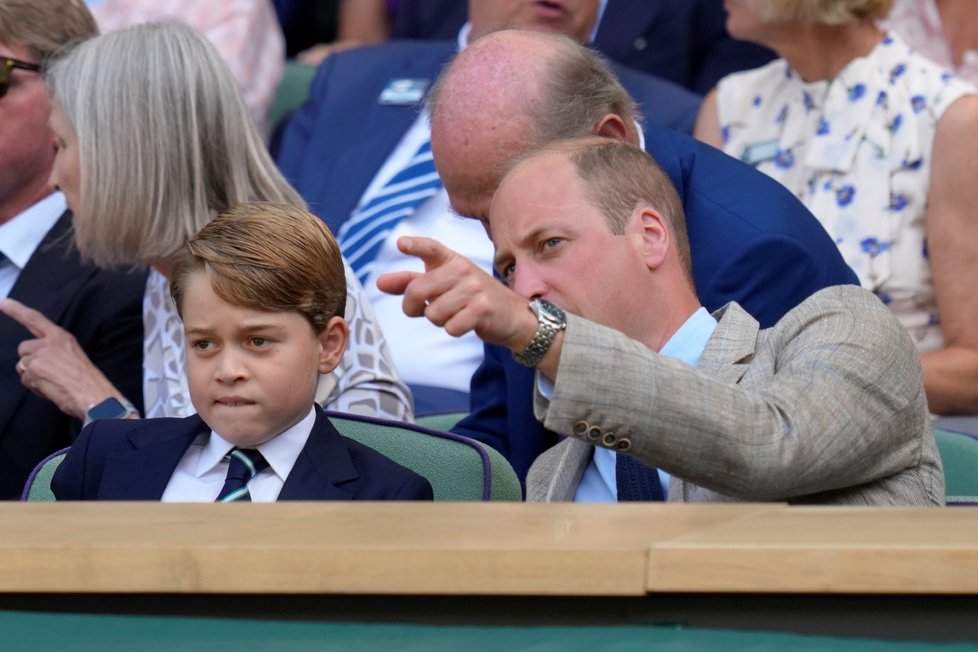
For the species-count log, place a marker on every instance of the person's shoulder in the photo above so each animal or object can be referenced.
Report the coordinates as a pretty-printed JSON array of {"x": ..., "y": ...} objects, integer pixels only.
[
  {"x": 848, "y": 309},
  {"x": 106, "y": 430},
  {"x": 394, "y": 54}
]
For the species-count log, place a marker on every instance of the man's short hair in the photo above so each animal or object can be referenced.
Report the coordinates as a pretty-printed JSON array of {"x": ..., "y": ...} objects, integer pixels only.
[
  {"x": 617, "y": 178},
  {"x": 579, "y": 89},
  {"x": 268, "y": 256},
  {"x": 44, "y": 27},
  {"x": 824, "y": 12}
]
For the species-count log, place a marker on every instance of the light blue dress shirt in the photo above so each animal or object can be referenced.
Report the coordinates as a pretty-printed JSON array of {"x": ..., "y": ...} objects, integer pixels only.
[{"x": 600, "y": 481}]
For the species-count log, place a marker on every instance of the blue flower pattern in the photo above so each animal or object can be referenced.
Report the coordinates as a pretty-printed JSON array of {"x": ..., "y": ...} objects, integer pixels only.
[
  {"x": 850, "y": 152},
  {"x": 784, "y": 158},
  {"x": 844, "y": 195}
]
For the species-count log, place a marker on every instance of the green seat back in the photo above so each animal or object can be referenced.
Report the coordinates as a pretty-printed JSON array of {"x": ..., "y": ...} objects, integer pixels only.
[
  {"x": 38, "y": 487},
  {"x": 458, "y": 468},
  {"x": 959, "y": 453},
  {"x": 293, "y": 89},
  {"x": 443, "y": 422}
]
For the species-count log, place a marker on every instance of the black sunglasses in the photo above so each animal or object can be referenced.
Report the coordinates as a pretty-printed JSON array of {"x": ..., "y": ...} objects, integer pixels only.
[{"x": 6, "y": 65}]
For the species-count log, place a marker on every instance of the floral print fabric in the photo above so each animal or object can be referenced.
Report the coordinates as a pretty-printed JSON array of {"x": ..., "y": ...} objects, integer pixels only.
[{"x": 857, "y": 151}]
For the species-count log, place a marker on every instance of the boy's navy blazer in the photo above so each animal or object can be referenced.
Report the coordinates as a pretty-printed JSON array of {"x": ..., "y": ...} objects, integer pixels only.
[{"x": 121, "y": 459}]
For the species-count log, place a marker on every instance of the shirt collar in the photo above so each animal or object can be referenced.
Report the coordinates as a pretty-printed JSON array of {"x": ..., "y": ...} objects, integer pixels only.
[
  {"x": 21, "y": 235},
  {"x": 687, "y": 343},
  {"x": 280, "y": 451}
]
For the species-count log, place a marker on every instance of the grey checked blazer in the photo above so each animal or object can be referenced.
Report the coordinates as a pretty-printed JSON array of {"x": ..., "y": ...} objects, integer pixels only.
[{"x": 828, "y": 406}]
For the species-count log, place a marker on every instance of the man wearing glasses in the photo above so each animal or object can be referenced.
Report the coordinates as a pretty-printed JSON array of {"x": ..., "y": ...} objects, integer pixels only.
[{"x": 38, "y": 264}]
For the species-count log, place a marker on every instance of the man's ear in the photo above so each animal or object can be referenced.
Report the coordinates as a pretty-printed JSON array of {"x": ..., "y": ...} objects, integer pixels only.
[
  {"x": 612, "y": 126},
  {"x": 656, "y": 237},
  {"x": 332, "y": 344}
]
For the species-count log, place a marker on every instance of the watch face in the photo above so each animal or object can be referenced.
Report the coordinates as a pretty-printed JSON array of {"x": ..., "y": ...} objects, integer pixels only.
[{"x": 110, "y": 408}]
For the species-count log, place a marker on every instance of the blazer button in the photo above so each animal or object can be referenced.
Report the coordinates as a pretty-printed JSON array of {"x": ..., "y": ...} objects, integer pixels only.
[
  {"x": 624, "y": 443},
  {"x": 580, "y": 428},
  {"x": 640, "y": 44},
  {"x": 610, "y": 439},
  {"x": 594, "y": 433}
]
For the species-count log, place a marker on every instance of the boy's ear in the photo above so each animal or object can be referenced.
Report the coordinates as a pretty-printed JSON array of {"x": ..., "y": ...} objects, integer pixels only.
[{"x": 332, "y": 344}]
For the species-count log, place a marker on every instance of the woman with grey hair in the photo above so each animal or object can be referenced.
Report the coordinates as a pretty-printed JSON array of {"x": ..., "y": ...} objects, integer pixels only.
[
  {"x": 154, "y": 141},
  {"x": 878, "y": 142}
]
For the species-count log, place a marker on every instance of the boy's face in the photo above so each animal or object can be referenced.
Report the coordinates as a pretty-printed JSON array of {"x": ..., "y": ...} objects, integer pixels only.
[{"x": 252, "y": 374}]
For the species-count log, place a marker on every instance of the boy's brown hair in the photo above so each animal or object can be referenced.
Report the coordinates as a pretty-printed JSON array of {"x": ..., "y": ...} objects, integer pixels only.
[{"x": 268, "y": 256}]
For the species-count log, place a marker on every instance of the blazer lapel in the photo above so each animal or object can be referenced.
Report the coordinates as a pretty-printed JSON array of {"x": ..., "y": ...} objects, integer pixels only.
[
  {"x": 380, "y": 129},
  {"x": 556, "y": 473},
  {"x": 623, "y": 22},
  {"x": 143, "y": 472},
  {"x": 324, "y": 469},
  {"x": 730, "y": 349}
]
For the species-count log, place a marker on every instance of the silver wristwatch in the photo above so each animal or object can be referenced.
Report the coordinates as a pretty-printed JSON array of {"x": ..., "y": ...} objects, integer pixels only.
[{"x": 552, "y": 320}]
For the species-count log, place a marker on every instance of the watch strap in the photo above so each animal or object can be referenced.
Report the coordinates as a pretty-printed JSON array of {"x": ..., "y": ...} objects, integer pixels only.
[
  {"x": 124, "y": 410},
  {"x": 551, "y": 320}
]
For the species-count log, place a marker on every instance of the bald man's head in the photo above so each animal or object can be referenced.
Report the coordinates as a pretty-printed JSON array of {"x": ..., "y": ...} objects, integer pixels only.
[{"x": 512, "y": 91}]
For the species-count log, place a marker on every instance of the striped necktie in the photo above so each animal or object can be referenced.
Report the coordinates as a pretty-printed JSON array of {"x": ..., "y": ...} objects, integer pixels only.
[
  {"x": 243, "y": 465},
  {"x": 362, "y": 236}
]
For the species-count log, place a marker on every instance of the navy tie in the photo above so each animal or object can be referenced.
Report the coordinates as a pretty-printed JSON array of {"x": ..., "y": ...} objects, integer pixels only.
[
  {"x": 243, "y": 465},
  {"x": 637, "y": 481},
  {"x": 362, "y": 236}
]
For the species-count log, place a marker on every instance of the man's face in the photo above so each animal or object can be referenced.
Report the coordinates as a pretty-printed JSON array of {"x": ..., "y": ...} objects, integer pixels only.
[
  {"x": 575, "y": 18},
  {"x": 252, "y": 374},
  {"x": 26, "y": 143},
  {"x": 552, "y": 243}
]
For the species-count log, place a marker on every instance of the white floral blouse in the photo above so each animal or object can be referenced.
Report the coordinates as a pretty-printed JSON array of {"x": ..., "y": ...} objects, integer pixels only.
[
  {"x": 857, "y": 151},
  {"x": 365, "y": 382}
]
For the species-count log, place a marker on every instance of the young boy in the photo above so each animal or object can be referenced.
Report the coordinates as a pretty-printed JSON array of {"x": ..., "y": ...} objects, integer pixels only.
[{"x": 261, "y": 293}]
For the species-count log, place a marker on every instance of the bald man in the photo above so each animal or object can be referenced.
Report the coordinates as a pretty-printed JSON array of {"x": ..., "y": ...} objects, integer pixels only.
[
  {"x": 362, "y": 126},
  {"x": 752, "y": 241}
]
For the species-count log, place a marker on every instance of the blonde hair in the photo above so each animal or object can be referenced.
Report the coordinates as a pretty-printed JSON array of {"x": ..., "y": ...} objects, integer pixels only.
[
  {"x": 824, "y": 12},
  {"x": 165, "y": 141},
  {"x": 270, "y": 257},
  {"x": 44, "y": 27}
]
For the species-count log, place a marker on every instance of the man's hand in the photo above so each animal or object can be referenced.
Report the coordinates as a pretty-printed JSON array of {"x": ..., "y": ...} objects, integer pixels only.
[
  {"x": 54, "y": 366},
  {"x": 455, "y": 294}
]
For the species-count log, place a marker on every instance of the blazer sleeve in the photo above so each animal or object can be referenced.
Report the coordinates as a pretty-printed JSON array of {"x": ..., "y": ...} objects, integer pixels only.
[
  {"x": 71, "y": 480},
  {"x": 830, "y": 398},
  {"x": 416, "y": 488}
]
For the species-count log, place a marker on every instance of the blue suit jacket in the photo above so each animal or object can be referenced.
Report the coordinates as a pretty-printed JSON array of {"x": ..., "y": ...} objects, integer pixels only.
[
  {"x": 334, "y": 144},
  {"x": 133, "y": 460},
  {"x": 751, "y": 242},
  {"x": 103, "y": 310},
  {"x": 684, "y": 41}
]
